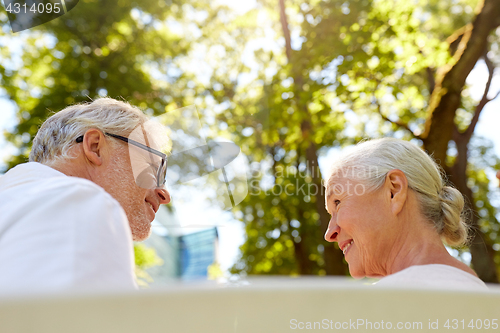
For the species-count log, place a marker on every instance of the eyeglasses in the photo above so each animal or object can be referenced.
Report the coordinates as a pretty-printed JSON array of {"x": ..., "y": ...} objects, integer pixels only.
[{"x": 161, "y": 172}]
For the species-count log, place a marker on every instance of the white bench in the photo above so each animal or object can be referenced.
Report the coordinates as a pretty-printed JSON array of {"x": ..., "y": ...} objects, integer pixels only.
[{"x": 263, "y": 305}]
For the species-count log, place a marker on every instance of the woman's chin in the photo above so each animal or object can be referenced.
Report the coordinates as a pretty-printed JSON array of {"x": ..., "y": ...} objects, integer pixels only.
[{"x": 356, "y": 273}]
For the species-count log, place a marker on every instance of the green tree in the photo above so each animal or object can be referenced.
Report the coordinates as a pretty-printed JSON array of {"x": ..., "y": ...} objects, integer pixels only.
[
  {"x": 334, "y": 72},
  {"x": 392, "y": 65},
  {"x": 145, "y": 258},
  {"x": 122, "y": 49}
]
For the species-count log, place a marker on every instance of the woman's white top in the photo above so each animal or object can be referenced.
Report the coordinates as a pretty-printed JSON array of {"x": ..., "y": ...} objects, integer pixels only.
[{"x": 433, "y": 276}]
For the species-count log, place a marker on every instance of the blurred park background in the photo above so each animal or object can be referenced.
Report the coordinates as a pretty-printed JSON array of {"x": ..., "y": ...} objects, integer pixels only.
[{"x": 292, "y": 83}]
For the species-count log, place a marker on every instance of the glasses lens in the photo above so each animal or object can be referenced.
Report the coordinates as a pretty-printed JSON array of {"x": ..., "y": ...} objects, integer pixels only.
[
  {"x": 162, "y": 173},
  {"x": 146, "y": 178},
  {"x": 147, "y": 145}
]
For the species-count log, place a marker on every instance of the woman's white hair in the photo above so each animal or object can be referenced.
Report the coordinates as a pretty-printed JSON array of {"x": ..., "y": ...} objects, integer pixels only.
[
  {"x": 370, "y": 161},
  {"x": 58, "y": 133}
]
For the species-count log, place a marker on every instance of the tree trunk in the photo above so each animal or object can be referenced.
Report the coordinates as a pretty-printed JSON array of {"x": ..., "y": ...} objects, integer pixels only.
[
  {"x": 334, "y": 258},
  {"x": 440, "y": 124},
  {"x": 302, "y": 253},
  {"x": 482, "y": 253},
  {"x": 446, "y": 97},
  {"x": 334, "y": 264}
]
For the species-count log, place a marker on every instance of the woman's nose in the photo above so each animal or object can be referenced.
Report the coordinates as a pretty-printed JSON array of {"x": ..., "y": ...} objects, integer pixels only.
[{"x": 332, "y": 232}]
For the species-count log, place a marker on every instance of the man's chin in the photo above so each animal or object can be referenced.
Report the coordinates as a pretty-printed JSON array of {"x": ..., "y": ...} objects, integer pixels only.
[
  {"x": 142, "y": 232},
  {"x": 140, "y": 238}
]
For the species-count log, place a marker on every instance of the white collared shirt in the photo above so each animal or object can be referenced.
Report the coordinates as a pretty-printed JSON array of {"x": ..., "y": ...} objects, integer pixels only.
[{"x": 61, "y": 233}]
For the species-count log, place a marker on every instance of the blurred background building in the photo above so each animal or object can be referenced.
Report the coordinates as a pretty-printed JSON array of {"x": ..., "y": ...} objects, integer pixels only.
[{"x": 186, "y": 252}]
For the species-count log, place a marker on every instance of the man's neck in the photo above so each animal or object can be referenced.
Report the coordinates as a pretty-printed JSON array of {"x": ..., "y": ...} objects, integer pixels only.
[{"x": 72, "y": 167}]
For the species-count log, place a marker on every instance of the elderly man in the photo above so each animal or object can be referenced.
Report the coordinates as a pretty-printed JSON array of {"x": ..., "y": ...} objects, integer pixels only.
[{"x": 68, "y": 217}]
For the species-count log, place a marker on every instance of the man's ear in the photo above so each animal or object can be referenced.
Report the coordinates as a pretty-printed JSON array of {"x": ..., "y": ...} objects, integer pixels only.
[
  {"x": 93, "y": 144},
  {"x": 397, "y": 183}
]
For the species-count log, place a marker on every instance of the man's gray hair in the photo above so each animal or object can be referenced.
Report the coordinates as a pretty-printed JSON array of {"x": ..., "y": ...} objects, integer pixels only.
[{"x": 58, "y": 133}]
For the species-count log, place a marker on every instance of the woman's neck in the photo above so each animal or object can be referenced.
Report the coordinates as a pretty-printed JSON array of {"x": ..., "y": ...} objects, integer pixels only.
[{"x": 424, "y": 249}]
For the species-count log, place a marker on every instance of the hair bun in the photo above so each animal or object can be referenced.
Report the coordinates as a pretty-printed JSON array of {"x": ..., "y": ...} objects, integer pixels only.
[{"x": 454, "y": 230}]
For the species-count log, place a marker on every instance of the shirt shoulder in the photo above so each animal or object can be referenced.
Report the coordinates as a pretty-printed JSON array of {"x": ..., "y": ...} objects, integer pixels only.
[
  {"x": 37, "y": 182},
  {"x": 70, "y": 230},
  {"x": 433, "y": 276}
]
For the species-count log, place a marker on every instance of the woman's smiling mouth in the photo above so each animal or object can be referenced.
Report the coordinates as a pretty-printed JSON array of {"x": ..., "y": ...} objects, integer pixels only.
[{"x": 347, "y": 246}]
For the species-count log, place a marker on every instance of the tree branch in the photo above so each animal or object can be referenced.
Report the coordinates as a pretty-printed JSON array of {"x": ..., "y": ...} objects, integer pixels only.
[
  {"x": 398, "y": 123},
  {"x": 484, "y": 100},
  {"x": 430, "y": 77},
  {"x": 286, "y": 31},
  {"x": 446, "y": 97},
  {"x": 455, "y": 39}
]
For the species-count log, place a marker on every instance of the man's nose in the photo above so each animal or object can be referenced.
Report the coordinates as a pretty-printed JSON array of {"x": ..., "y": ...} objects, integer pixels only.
[
  {"x": 332, "y": 232},
  {"x": 163, "y": 194}
]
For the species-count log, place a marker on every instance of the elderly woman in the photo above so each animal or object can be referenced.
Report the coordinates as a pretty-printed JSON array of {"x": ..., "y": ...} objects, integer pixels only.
[{"x": 391, "y": 213}]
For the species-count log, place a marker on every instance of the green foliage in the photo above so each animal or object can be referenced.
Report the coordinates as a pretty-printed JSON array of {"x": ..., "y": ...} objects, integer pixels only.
[
  {"x": 145, "y": 258},
  {"x": 487, "y": 201},
  {"x": 119, "y": 52},
  {"x": 359, "y": 64},
  {"x": 357, "y": 68},
  {"x": 214, "y": 271},
  {"x": 280, "y": 221}
]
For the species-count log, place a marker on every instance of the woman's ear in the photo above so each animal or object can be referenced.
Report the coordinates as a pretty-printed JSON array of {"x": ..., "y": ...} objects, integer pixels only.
[
  {"x": 93, "y": 144},
  {"x": 397, "y": 184}
]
